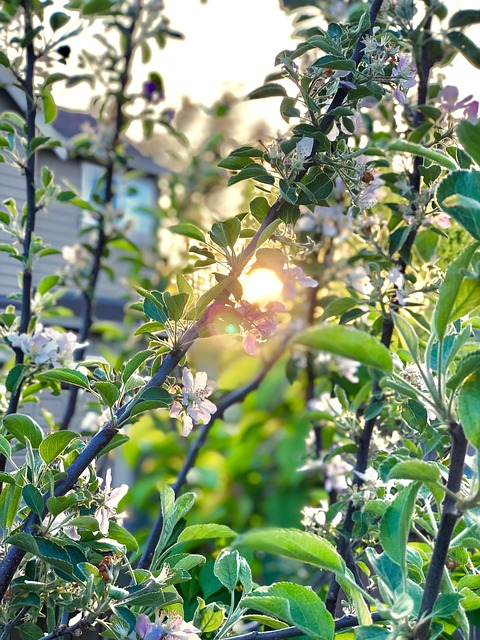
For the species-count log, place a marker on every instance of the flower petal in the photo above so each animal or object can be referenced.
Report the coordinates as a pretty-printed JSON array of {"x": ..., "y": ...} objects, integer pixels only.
[
  {"x": 249, "y": 343},
  {"x": 187, "y": 379}
]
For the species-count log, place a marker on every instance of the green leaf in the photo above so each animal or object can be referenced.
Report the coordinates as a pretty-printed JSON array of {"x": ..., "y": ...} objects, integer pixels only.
[
  {"x": 5, "y": 448},
  {"x": 188, "y": 229},
  {"x": 54, "y": 444},
  {"x": 336, "y": 63},
  {"x": 206, "y": 532},
  {"x": 469, "y": 136},
  {"x": 255, "y": 171},
  {"x": 69, "y": 376},
  {"x": 185, "y": 561},
  {"x": 173, "y": 510},
  {"x": 30, "y": 631},
  {"x": 183, "y": 285},
  {"x": 468, "y": 298},
  {"x": 268, "y": 232},
  {"x": 23, "y": 428},
  {"x": 225, "y": 234},
  {"x": 156, "y": 599},
  {"x": 234, "y": 163},
  {"x": 43, "y": 548},
  {"x": 117, "y": 440},
  {"x": 9, "y": 504},
  {"x": 444, "y": 310},
  {"x": 395, "y": 525},
  {"x": 292, "y": 543},
  {"x": 154, "y": 305},
  {"x": 213, "y": 293},
  {"x": 465, "y": 210},
  {"x": 439, "y": 157},
  {"x": 33, "y": 499},
  {"x": 15, "y": 376},
  {"x": 415, "y": 470},
  {"x": 469, "y": 408},
  {"x": 466, "y": 46},
  {"x": 267, "y": 621},
  {"x": 469, "y": 364},
  {"x": 58, "y": 20},
  {"x": 121, "y": 535},
  {"x": 247, "y": 152},
  {"x": 295, "y": 604},
  {"x": 4, "y": 61},
  {"x": 259, "y": 208},
  {"x": 49, "y": 106},
  {"x": 464, "y": 18},
  {"x": 134, "y": 363},
  {"x": 151, "y": 398},
  {"x": 348, "y": 343},
  {"x": 208, "y": 618},
  {"x": 227, "y": 568},
  {"x": 372, "y": 632},
  {"x": 47, "y": 283},
  {"x": 57, "y": 505},
  {"x": 176, "y": 305},
  {"x": 471, "y": 600},
  {"x": 107, "y": 391},
  {"x": 97, "y": 6},
  {"x": 270, "y": 90},
  {"x": 446, "y": 604},
  {"x": 407, "y": 332}
]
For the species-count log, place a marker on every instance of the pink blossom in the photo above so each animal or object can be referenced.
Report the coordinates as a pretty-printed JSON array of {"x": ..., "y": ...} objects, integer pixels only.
[
  {"x": 165, "y": 627},
  {"x": 441, "y": 220},
  {"x": 449, "y": 102},
  {"x": 404, "y": 75},
  {"x": 293, "y": 276},
  {"x": 47, "y": 346},
  {"x": 471, "y": 111},
  {"x": 249, "y": 343},
  {"x": 259, "y": 325}
]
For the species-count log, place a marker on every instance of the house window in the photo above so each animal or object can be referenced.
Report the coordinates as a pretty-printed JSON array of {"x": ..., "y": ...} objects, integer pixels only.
[{"x": 134, "y": 198}]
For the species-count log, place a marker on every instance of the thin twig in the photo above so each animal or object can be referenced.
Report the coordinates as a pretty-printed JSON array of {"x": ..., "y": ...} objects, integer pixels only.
[
  {"x": 238, "y": 395},
  {"x": 450, "y": 515},
  {"x": 424, "y": 66},
  {"x": 89, "y": 290},
  {"x": 13, "y": 623},
  {"x": 63, "y": 630}
]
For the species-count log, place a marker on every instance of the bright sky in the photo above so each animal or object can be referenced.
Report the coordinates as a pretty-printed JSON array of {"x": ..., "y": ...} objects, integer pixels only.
[
  {"x": 232, "y": 46},
  {"x": 227, "y": 45}
]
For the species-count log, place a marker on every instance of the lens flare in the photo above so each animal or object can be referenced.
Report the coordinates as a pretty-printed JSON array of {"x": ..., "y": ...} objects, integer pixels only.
[{"x": 261, "y": 286}]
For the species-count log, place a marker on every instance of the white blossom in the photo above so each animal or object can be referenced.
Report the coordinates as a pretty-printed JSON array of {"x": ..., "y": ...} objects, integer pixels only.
[
  {"x": 109, "y": 502},
  {"x": 194, "y": 406},
  {"x": 396, "y": 277},
  {"x": 360, "y": 280},
  {"x": 336, "y": 471}
]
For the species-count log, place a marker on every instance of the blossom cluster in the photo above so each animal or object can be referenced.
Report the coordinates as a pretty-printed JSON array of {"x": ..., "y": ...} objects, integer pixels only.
[
  {"x": 46, "y": 345},
  {"x": 165, "y": 627}
]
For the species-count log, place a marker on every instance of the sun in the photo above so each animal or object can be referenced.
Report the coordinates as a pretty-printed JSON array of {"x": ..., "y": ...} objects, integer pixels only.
[{"x": 261, "y": 286}]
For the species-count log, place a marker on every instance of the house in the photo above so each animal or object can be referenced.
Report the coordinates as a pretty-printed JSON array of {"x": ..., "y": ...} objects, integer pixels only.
[{"x": 61, "y": 223}]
